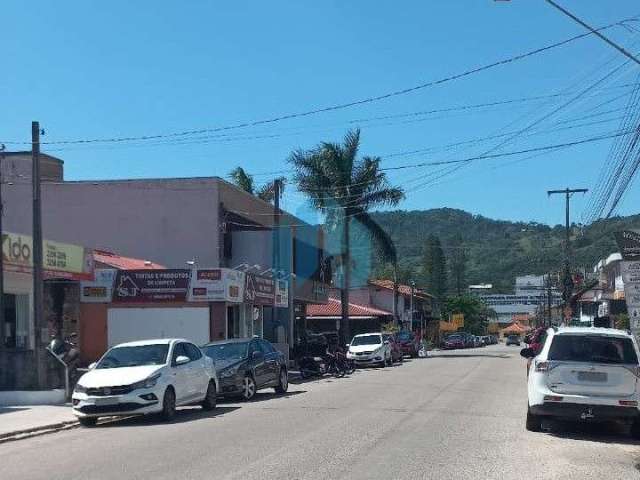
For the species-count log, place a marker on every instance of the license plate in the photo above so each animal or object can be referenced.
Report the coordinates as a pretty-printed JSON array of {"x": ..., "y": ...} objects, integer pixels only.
[
  {"x": 592, "y": 376},
  {"x": 105, "y": 401}
]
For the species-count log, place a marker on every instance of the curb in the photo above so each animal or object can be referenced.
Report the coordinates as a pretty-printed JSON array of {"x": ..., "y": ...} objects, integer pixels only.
[{"x": 37, "y": 431}]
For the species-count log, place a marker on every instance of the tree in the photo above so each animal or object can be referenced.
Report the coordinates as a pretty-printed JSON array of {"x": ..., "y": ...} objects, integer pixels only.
[
  {"x": 434, "y": 267},
  {"x": 345, "y": 188},
  {"x": 475, "y": 312},
  {"x": 458, "y": 262},
  {"x": 241, "y": 179}
]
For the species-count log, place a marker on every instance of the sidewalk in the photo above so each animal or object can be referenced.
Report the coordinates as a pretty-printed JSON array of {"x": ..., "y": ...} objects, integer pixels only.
[{"x": 23, "y": 421}]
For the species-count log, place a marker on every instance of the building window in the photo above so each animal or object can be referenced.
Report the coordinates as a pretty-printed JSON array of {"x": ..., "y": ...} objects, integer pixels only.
[
  {"x": 16, "y": 317},
  {"x": 233, "y": 322}
]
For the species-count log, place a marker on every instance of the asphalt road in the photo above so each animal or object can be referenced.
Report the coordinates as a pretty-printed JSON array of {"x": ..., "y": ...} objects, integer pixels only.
[{"x": 458, "y": 415}]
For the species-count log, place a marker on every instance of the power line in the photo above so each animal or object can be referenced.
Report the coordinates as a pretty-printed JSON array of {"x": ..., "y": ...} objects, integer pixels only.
[{"x": 337, "y": 106}]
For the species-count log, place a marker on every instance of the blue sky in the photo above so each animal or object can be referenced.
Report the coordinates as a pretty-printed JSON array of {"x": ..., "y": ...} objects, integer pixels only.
[{"x": 111, "y": 69}]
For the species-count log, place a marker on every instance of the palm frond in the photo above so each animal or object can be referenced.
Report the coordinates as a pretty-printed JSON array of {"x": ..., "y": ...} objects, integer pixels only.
[
  {"x": 378, "y": 235},
  {"x": 242, "y": 179}
]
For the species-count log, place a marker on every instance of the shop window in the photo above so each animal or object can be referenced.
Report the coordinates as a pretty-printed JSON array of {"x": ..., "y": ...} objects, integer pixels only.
[
  {"x": 16, "y": 317},
  {"x": 233, "y": 322}
]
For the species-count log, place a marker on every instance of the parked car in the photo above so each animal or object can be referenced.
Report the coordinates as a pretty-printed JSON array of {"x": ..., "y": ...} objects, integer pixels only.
[
  {"x": 584, "y": 373},
  {"x": 152, "y": 376},
  {"x": 513, "y": 340},
  {"x": 246, "y": 365},
  {"x": 369, "y": 349},
  {"x": 454, "y": 341},
  {"x": 408, "y": 343},
  {"x": 396, "y": 350},
  {"x": 469, "y": 340},
  {"x": 477, "y": 341}
]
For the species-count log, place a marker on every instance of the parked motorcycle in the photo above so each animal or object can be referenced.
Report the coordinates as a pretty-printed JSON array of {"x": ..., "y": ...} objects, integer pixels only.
[{"x": 68, "y": 351}]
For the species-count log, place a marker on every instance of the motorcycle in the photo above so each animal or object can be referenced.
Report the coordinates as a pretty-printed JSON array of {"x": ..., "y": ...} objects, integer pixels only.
[{"x": 68, "y": 352}]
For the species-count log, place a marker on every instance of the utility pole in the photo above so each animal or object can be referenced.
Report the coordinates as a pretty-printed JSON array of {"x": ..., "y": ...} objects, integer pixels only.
[
  {"x": 276, "y": 225},
  {"x": 567, "y": 281},
  {"x": 37, "y": 254},
  {"x": 549, "y": 316},
  {"x": 2, "y": 319},
  {"x": 413, "y": 287}
]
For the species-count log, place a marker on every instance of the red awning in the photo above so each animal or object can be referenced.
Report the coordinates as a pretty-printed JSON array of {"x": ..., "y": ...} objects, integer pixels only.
[{"x": 333, "y": 308}]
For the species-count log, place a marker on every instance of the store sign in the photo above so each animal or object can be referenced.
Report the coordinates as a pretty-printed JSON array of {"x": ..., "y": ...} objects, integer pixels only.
[
  {"x": 259, "y": 290},
  {"x": 100, "y": 290},
  {"x": 59, "y": 260},
  {"x": 629, "y": 244},
  {"x": 134, "y": 286},
  {"x": 216, "y": 285},
  {"x": 282, "y": 293}
]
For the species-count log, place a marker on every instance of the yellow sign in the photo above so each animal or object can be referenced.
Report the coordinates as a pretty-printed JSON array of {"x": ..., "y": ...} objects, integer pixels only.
[
  {"x": 458, "y": 320},
  {"x": 69, "y": 260},
  {"x": 447, "y": 327}
]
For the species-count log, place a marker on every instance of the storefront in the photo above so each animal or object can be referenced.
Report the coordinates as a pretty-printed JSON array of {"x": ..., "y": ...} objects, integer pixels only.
[{"x": 23, "y": 363}]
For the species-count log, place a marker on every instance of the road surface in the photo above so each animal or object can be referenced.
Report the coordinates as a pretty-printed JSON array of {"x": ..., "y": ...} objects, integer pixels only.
[{"x": 458, "y": 415}]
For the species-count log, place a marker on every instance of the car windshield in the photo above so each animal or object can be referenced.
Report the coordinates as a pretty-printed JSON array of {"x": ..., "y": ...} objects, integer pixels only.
[
  {"x": 454, "y": 337},
  {"x": 593, "y": 349},
  {"x": 367, "y": 340},
  {"x": 226, "y": 351},
  {"x": 135, "y": 356},
  {"x": 405, "y": 336}
]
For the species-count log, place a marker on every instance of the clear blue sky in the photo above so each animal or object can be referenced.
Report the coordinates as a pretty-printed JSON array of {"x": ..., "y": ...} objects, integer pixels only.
[{"x": 120, "y": 68}]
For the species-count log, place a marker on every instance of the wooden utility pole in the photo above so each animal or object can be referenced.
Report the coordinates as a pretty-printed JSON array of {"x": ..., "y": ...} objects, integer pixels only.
[
  {"x": 37, "y": 255},
  {"x": 567, "y": 281}
]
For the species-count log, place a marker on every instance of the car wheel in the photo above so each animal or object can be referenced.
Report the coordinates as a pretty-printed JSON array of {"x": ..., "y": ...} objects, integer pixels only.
[
  {"x": 248, "y": 388},
  {"x": 168, "y": 404},
  {"x": 534, "y": 422},
  {"x": 283, "y": 381},
  {"x": 88, "y": 421},
  {"x": 210, "y": 399}
]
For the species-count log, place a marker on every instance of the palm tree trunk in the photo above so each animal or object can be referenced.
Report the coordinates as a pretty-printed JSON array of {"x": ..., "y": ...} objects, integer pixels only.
[{"x": 346, "y": 282}]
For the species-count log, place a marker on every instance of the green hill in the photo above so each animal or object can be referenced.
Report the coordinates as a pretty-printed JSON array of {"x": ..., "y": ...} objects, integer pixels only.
[{"x": 498, "y": 250}]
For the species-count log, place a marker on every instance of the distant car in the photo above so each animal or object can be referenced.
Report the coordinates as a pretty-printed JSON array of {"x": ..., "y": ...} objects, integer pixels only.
[
  {"x": 584, "y": 373},
  {"x": 513, "y": 340},
  {"x": 453, "y": 342},
  {"x": 370, "y": 349},
  {"x": 246, "y": 365},
  {"x": 152, "y": 376},
  {"x": 477, "y": 341},
  {"x": 469, "y": 340},
  {"x": 396, "y": 349},
  {"x": 408, "y": 343}
]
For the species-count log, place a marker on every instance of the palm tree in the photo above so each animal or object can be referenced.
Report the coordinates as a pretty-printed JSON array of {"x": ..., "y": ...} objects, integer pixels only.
[
  {"x": 241, "y": 179},
  {"x": 344, "y": 187}
]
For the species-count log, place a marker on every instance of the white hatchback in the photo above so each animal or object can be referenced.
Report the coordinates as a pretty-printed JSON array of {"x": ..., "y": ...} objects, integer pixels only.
[
  {"x": 584, "y": 373},
  {"x": 151, "y": 376},
  {"x": 370, "y": 349}
]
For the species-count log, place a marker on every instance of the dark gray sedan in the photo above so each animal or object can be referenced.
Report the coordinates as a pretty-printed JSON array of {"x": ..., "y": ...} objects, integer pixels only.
[{"x": 246, "y": 365}]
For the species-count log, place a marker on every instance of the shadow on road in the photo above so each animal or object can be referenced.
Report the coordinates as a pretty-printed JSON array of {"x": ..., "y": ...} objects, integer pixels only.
[
  {"x": 12, "y": 409},
  {"x": 610, "y": 432},
  {"x": 261, "y": 397},
  {"x": 471, "y": 355},
  {"x": 183, "y": 415}
]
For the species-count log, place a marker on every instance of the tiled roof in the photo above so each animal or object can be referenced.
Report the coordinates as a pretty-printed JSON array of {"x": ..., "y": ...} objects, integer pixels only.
[
  {"x": 109, "y": 259},
  {"x": 334, "y": 309},
  {"x": 402, "y": 289}
]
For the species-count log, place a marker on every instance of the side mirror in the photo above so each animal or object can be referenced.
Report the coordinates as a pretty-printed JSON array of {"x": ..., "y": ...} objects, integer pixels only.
[
  {"x": 181, "y": 360},
  {"x": 257, "y": 355},
  {"x": 92, "y": 366},
  {"x": 527, "y": 353}
]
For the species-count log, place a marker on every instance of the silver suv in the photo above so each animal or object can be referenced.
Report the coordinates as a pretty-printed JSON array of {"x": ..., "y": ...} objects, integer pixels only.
[{"x": 584, "y": 373}]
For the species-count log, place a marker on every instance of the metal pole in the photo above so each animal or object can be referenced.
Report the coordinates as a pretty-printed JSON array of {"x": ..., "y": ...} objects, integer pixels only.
[
  {"x": 2, "y": 319},
  {"x": 37, "y": 254},
  {"x": 413, "y": 286}
]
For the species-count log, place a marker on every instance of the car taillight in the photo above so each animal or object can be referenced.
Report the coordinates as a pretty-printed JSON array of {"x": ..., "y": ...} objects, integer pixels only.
[
  {"x": 543, "y": 366},
  {"x": 552, "y": 398},
  {"x": 628, "y": 403}
]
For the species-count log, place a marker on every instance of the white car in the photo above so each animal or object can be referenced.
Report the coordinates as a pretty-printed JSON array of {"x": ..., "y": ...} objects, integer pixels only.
[
  {"x": 370, "y": 349},
  {"x": 151, "y": 376},
  {"x": 584, "y": 373}
]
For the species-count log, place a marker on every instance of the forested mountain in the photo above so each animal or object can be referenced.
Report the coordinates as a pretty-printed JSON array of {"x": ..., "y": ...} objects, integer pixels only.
[{"x": 496, "y": 250}]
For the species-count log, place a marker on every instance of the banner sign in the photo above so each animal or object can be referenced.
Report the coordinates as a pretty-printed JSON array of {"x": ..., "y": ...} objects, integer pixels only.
[
  {"x": 100, "y": 290},
  {"x": 631, "y": 278},
  {"x": 217, "y": 285},
  {"x": 282, "y": 293},
  {"x": 135, "y": 286},
  {"x": 629, "y": 244},
  {"x": 59, "y": 260},
  {"x": 259, "y": 290}
]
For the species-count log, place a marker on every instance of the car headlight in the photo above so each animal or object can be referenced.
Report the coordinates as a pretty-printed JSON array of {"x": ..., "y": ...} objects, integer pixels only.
[
  {"x": 230, "y": 372},
  {"x": 147, "y": 382},
  {"x": 80, "y": 388}
]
